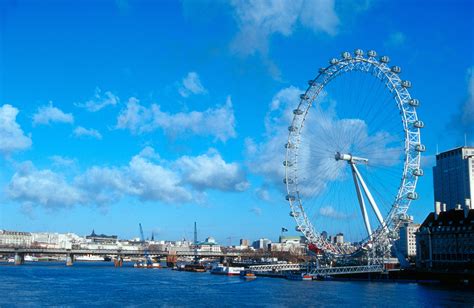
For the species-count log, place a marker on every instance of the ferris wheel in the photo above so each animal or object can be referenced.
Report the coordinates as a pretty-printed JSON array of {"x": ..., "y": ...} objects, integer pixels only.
[{"x": 353, "y": 155}]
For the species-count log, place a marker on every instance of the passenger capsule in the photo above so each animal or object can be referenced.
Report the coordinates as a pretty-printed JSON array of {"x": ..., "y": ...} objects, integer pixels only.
[
  {"x": 298, "y": 229},
  {"x": 393, "y": 235},
  {"x": 420, "y": 148},
  {"x": 412, "y": 195},
  {"x": 372, "y": 53},
  {"x": 304, "y": 96},
  {"x": 406, "y": 83},
  {"x": 294, "y": 214},
  {"x": 396, "y": 69},
  {"x": 288, "y": 181},
  {"x": 414, "y": 102},
  {"x": 403, "y": 216},
  {"x": 384, "y": 59},
  {"x": 290, "y": 198},
  {"x": 419, "y": 124},
  {"x": 287, "y": 163},
  {"x": 322, "y": 70},
  {"x": 334, "y": 61},
  {"x": 359, "y": 52},
  {"x": 292, "y": 128},
  {"x": 346, "y": 55},
  {"x": 311, "y": 82},
  {"x": 418, "y": 172},
  {"x": 289, "y": 145},
  {"x": 298, "y": 112}
]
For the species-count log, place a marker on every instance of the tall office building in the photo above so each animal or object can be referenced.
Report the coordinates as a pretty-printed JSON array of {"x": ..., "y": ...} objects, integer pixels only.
[{"x": 453, "y": 177}]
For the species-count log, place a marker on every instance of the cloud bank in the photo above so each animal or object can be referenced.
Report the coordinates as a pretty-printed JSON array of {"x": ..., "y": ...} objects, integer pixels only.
[
  {"x": 218, "y": 122},
  {"x": 12, "y": 137},
  {"x": 48, "y": 114},
  {"x": 146, "y": 177}
]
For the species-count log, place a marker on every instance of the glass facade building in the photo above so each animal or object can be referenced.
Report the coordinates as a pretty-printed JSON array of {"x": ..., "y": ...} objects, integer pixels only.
[{"x": 453, "y": 177}]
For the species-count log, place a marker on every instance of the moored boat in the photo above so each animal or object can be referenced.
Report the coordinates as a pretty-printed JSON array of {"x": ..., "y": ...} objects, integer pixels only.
[
  {"x": 196, "y": 268},
  {"x": 247, "y": 275},
  {"x": 29, "y": 258},
  {"x": 299, "y": 277},
  {"x": 147, "y": 265},
  {"x": 227, "y": 270},
  {"x": 90, "y": 258}
]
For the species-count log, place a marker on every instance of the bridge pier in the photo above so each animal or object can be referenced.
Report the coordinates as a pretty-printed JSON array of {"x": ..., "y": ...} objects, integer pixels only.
[
  {"x": 69, "y": 259},
  {"x": 171, "y": 260},
  {"x": 19, "y": 258},
  {"x": 118, "y": 261}
]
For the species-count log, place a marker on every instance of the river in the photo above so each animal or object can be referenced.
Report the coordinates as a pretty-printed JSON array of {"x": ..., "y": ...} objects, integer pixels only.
[{"x": 100, "y": 284}]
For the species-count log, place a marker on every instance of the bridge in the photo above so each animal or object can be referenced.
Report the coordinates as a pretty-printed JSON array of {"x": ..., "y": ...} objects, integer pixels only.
[
  {"x": 277, "y": 267},
  {"x": 319, "y": 271},
  {"x": 119, "y": 253}
]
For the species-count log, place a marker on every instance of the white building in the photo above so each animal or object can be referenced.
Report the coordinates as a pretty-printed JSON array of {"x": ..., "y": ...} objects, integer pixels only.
[
  {"x": 294, "y": 244},
  {"x": 407, "y": 242},
  {"x": 453, "y": 177},
  {"x": 15, "y": 239}
]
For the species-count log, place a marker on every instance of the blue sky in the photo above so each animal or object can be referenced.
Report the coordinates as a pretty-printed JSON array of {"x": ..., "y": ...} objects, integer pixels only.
[{"x": 160, "y": 112}]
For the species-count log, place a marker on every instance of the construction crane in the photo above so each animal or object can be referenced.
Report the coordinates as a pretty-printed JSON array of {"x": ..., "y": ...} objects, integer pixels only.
[
  {"x": 196, "y": 258},
  {"x": 145, "y": 247}
]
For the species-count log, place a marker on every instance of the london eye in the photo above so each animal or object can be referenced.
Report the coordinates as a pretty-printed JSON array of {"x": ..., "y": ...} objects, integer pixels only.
[{"x": 353, "y": 155}]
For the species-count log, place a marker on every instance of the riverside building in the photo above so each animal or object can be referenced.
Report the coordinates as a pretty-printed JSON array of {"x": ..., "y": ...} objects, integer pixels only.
[
  {"x": 445, "y": 240},
  {"x": 406, "y": 244},
  {"x": 453, "y": 177}
]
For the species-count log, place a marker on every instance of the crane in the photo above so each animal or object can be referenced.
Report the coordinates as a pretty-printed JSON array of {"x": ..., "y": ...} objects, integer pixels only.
[{"x": 145, "y": 247}]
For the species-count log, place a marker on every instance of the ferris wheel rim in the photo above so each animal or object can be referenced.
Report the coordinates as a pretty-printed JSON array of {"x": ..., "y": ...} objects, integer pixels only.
[{"x": 412, "y": 141}]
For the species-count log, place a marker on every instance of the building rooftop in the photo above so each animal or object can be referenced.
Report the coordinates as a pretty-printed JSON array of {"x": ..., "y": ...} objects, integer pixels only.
[
  {"x": 94, "y": 235},
  {"x": 453, "y": 150},
  {"x": 452, "y": 217}
]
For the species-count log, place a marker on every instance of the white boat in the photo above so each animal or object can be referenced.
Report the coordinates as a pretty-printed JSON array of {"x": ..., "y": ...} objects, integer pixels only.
[
  {"x": 11, "y": 260},
  {"x": 89, "y": 258},
  {"x": 226, "y": 270},
  {"x": 29, "y": 258},
  {"x": 147, "y": 265}
]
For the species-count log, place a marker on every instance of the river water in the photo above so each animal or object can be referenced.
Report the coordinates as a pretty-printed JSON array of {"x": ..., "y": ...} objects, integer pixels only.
[{"x": 100, "y": 284}]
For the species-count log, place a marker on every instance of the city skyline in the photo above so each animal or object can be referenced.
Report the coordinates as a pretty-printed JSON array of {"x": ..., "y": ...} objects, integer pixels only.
[{"x": 140, "y": 112}]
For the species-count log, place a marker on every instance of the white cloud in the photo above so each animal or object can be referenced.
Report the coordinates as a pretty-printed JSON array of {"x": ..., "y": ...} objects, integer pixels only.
[
  {"x": 331, "y": 212},
  {"x": 146, "y": 177},
  {"x": 12, "y": 138},
  {"x": 266, "y": 158},
  {"x": 191, "y": 84},
  {"x": 84, "y": 132},
  {"x": 61, "y": 161},
  {"x": 263, "y": 194},
  {"x": 42, "y": 187},
  {"x": 463, "y": 120},
  {"x": 396, "y": 39},
  {"x": 155, "y": 182},
  {"x": 99, "y": 101},
  {"x": 210, "y": 171},
  {"x": 218, "y": 122},
  {"x": 103, "y": 185},
  {"x": 259, "y": 20},
  {"x": 50, "y": 114},
  {"x": 468, "y": 107}
]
